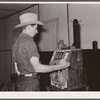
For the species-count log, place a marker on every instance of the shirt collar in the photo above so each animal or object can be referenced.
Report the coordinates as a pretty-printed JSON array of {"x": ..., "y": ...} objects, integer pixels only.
[{"x": 24, "y": 34}]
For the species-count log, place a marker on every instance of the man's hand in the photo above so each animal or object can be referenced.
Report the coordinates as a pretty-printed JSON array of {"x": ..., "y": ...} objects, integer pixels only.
[{"x": 64, "y": 63}]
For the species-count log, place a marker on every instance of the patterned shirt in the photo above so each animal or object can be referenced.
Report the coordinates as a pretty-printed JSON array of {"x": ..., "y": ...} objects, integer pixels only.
[{"x": 23, "y": 49}]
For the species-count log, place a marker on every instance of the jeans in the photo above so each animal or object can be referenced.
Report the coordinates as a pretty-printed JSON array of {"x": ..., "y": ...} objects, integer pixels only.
[{"x": 28, "y": 84}]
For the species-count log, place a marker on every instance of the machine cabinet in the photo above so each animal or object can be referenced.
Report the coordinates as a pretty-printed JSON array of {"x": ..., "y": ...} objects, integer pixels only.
[{"x": 72, "y": 78}]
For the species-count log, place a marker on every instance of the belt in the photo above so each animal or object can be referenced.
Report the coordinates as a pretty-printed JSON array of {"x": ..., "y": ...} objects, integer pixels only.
[{"x": 28, "y": 75}]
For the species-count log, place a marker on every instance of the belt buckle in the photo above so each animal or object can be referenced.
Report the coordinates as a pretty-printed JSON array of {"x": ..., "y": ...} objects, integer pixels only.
[
  {"x": 21, "y": 75},
  {"x": 28, "y": 75}
]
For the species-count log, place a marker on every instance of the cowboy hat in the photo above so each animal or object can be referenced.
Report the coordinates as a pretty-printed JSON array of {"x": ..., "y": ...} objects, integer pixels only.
[{"x": 28, "y": 19}]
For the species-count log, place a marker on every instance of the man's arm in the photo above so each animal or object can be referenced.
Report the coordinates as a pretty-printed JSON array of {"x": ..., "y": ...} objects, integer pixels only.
[
  {"x": 16, "y": 68},
  {"x": 40, "y": 68}
]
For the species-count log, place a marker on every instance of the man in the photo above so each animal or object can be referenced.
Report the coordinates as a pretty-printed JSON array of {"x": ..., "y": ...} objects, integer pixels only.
[{"x": 26, "y": 56}]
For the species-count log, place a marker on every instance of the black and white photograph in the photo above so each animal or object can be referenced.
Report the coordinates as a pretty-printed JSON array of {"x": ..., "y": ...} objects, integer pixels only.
[{"x": 50, "y": 47}]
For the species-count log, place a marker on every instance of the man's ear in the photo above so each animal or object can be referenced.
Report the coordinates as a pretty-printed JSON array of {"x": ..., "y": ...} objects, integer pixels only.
[{"x": 28, "y": 26}]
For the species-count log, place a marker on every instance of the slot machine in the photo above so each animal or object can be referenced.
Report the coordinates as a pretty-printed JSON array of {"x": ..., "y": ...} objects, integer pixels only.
[{"x": 71, "y": 78}]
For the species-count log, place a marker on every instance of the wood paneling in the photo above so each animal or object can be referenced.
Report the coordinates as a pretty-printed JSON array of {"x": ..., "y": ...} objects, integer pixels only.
[
  {"x": 2, "y": 67},
  {"x": 2, "y": 35},
  {"x": 10, "y": 22},
  {"x": 8, "y": 64}
]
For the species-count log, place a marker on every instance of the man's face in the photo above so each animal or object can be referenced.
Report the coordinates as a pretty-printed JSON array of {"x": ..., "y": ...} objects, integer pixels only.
[{"x": 33, "y": 30}]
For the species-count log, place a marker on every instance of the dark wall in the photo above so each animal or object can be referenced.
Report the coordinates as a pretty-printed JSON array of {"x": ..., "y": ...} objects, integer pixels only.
[{"x": 91, "y": 63}]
